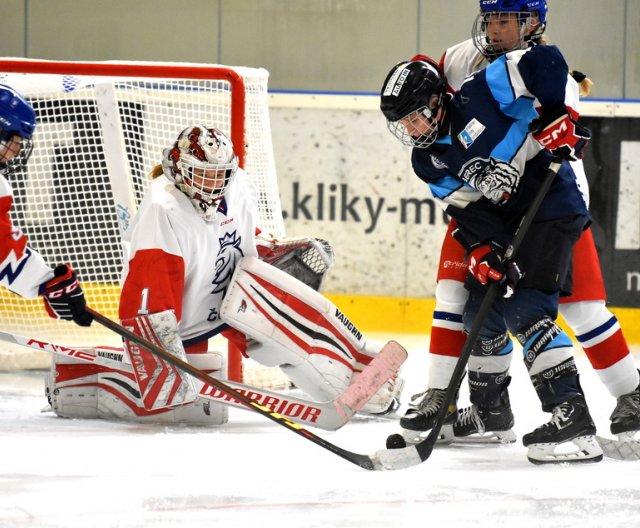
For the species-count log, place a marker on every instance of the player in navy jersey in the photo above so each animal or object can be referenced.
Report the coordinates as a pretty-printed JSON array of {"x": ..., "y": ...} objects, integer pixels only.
[
  {"x": 22, "y": 269},
  {"x": 476, "y": 153},
  {"x": 503, "y": 26}
]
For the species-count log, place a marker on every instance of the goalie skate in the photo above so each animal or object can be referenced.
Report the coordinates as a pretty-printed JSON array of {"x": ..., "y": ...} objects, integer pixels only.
[{"x": 568, "y": 437}]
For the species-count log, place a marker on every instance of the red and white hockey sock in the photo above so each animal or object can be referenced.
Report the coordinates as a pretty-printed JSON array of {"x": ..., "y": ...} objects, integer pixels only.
[
  {"x": 447, "y": 340},
  {"x": 599, "y": 333}
]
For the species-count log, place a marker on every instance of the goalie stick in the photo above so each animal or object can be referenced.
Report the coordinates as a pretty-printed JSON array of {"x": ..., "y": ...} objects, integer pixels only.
[{"x": 329, "y": 416}]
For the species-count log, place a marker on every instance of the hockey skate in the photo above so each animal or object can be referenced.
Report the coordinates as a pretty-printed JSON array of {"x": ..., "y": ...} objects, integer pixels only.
[
  {"x": 486, "y": 424},
  {"x": 625, "y": 419},
  {"x": 570, "y": 427},
  {"x": 625, "y": 423},
  {"x": 421, "y": 416},
  {"x": 476, "y": 425}
]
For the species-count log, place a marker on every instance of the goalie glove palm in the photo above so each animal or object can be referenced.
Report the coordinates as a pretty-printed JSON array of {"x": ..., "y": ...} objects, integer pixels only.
[
  {"x": 559, "y": 132},
  {"x": 64, "y": 298}
]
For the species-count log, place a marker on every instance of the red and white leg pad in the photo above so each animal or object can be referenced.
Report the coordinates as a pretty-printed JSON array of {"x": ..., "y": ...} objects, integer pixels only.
[
  {"x": 298, "y": 329},
  {"x": 161, "y": 384},
  {"x": 80, "y": 390}
]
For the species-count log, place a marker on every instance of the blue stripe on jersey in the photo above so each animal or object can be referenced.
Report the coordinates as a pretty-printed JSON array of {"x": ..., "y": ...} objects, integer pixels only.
[
  {"x": 601, "y": 329},
  {"x": 507, "y": 149},
  {"x": 447, "y": 316},
  {"x": 445, "y": 186},
  {"x": 497, "y": 77},
  {"x": 520, "y": 109}
]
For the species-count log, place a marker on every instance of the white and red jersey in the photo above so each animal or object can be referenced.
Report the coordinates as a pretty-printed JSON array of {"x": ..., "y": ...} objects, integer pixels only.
[
  {"x": 460, "y": 61},
  {"x": 179, "y": 261},
  {"x": 463, "y": 59},
  {"x": 22, "y": 269}
]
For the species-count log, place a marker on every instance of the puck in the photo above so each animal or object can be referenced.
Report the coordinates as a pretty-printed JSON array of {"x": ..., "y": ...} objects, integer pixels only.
[{"x": 396, "y": 441}]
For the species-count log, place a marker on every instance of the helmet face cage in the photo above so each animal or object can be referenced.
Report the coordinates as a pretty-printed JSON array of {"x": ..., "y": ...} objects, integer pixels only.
[
  {"x": 530, "y": 15},
  {"x": 201, "y": 163},
  {"x": 14, "y": 155},
  {"x": 17, "y": 119},
  {"x": 421, "y": 119}
]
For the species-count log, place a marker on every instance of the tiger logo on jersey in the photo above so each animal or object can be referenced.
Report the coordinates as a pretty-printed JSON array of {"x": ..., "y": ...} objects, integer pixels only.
[
  {"x": 228, "y": 257},
  {"x": 497, "y": 180}
]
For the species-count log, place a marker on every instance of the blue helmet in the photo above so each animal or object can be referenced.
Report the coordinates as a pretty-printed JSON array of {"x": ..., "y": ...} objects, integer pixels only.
[
  {"x": 17, "y": 118},
  {"x": 516, "y": 6},
  {"x": 532, "y": 28}
]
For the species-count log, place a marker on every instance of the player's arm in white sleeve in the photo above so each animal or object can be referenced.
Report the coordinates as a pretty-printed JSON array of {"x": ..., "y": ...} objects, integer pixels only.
[{"x": 22, "y": 269}]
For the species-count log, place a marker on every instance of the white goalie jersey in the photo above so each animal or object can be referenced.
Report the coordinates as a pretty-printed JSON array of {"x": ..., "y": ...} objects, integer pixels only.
[
  {"x": 178, "y": 261},
  {"x": 22, "y": 269}
]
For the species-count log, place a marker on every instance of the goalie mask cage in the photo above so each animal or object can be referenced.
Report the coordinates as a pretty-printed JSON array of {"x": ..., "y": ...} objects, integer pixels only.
[{"x": 101, "y": 127}]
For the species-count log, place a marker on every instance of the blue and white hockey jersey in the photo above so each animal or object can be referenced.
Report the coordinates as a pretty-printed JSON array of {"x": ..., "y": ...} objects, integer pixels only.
[{"x": 486, "y": 171}]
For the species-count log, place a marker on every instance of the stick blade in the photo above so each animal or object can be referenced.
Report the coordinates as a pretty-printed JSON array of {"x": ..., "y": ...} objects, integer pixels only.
[{"x": 393, "y": 459}]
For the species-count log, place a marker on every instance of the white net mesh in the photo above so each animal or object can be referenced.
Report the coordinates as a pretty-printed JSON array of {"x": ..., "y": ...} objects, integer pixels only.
[{"x": 97, "y": 138}]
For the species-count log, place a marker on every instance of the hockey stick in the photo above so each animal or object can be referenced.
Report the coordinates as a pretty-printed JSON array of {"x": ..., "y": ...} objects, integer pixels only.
[
  {"x": 389, "y": 360},
  {"x": 322, "y": 415},
  {"x": 421, "y": 451}
]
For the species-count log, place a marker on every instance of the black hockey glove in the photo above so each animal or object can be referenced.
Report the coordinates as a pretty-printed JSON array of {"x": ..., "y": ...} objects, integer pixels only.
[
  {"x": 63, "y": 297},
  {"x": 559, "y": 132},
  {"x": 485, "y": 263}
]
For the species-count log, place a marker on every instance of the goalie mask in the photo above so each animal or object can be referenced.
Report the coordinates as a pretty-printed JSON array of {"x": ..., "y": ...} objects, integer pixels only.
[
  {"x": 201, "y": 163},
  {"x": 17, "y": 123},
  {"x": 411, "y": 97},
  {"x": 491, "y": 33}
]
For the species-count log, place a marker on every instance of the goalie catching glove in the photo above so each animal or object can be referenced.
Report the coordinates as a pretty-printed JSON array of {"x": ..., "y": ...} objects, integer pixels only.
[
  {"x": 485, "y": 263},
  {"x": 63, "y": 297},
  {"x": 558, "y": 131}
]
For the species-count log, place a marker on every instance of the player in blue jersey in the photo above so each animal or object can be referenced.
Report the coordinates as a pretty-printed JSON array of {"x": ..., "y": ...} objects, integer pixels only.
[
  {"x": 477, "y": 155},
  {"x": 503, "y": 26},
  {"x": 22, "y": 269}
]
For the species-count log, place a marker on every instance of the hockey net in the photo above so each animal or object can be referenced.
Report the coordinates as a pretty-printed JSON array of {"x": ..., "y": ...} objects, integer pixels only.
[{"x": 101, "y": 128}]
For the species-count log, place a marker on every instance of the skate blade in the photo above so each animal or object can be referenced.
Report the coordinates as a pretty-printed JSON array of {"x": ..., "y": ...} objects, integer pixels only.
[
  {"x": 585, "y": 450},
  {"x": 415, "y": 437},
  {"x": 624, "y": 448},
  {"x": 490, "y": 437}
]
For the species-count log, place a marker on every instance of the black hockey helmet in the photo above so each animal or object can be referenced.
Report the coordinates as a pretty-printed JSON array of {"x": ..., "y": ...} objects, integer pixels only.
[{"x": 411, "y": 95}]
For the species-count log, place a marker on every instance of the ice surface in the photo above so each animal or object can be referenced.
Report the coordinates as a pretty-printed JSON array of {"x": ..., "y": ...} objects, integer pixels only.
[{"x": 253, "y": 473}]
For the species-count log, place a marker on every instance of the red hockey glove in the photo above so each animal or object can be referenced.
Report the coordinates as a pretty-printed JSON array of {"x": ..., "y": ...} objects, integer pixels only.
[
  {"x": 559, "y": 132},
  {"x": 485, "y": 264},
  {"x": 63, "y": 297}
]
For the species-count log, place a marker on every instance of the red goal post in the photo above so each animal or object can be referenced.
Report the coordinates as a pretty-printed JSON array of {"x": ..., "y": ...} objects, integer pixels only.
[{"x": 101, "y": 127}]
